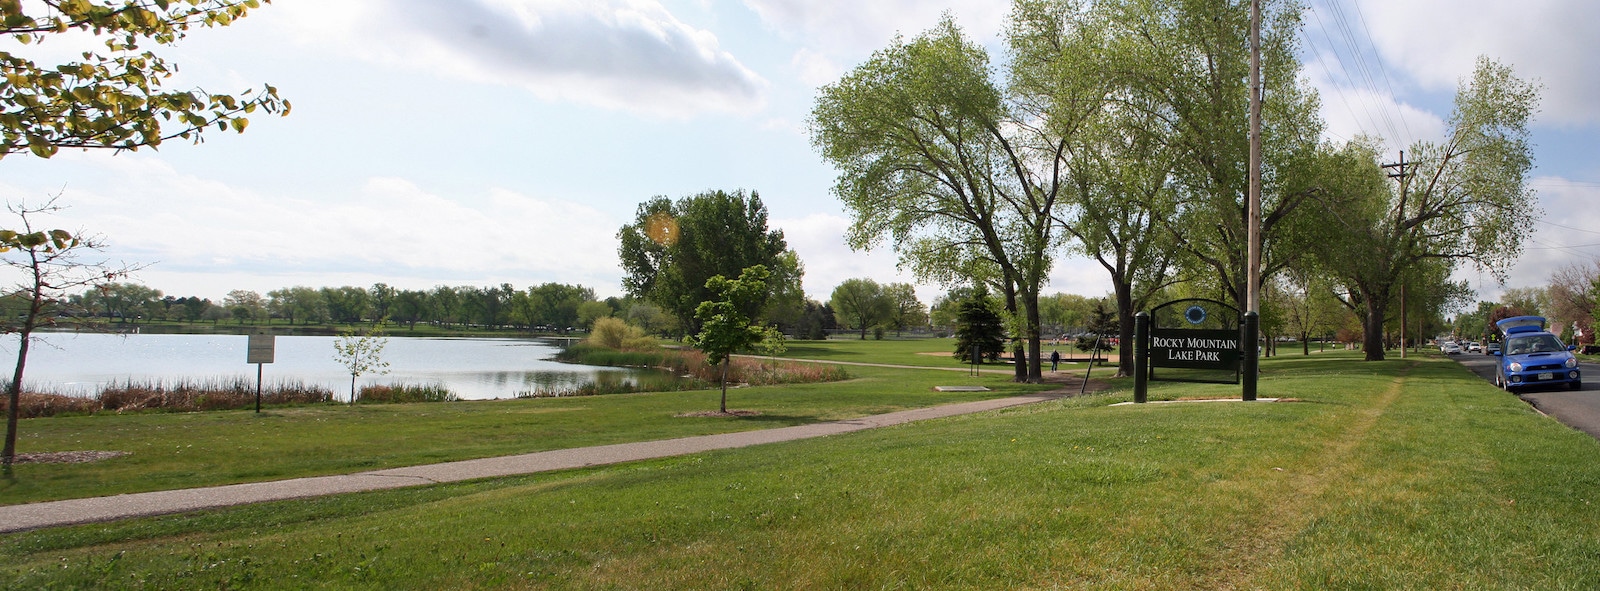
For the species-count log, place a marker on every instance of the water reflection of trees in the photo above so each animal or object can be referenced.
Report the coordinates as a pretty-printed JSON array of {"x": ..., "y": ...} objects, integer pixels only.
[{"x": 541, "y": 384}]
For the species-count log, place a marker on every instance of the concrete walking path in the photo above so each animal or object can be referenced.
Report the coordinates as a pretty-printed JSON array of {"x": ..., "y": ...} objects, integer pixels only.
[{"x": 30, "y": 516}]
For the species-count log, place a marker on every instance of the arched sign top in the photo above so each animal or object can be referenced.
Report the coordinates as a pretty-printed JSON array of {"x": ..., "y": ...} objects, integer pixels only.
[{"x": 1199, "y": 313}]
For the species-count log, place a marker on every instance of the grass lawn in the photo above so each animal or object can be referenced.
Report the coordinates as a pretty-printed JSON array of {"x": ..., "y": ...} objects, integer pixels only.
[
  {"x": 183, "y": 450},
  {"x": 1393, "y": 475},
  {"x": 912, "y": 352}
]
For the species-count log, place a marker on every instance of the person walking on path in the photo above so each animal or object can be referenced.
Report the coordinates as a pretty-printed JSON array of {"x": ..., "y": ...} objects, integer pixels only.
[{"x": 1055, "y": 359}]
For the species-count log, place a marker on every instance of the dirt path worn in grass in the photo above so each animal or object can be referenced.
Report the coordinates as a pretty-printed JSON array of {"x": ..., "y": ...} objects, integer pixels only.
[{"x": 1258, "y": 546}]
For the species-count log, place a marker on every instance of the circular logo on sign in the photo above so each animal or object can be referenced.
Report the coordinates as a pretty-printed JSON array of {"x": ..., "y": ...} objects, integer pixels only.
[{"x": 1195, "y": 314}]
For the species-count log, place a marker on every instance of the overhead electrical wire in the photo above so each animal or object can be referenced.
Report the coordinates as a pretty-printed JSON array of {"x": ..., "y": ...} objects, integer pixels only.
[{"x": 1360, "y": 72}]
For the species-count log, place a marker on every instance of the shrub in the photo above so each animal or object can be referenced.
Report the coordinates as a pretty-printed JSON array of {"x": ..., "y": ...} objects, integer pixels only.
[
  {"x": 616, "y": 334},
  {"x": 392, "y": 393}
]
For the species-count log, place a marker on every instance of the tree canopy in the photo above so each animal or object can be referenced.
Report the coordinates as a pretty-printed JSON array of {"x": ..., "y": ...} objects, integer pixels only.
[
  {"x": 116, "y": 99},
  {"x": 861, "y": 303},
  {"x": 1463, "y": 201},
  {"x": 935, "y": 158},
  {"x": 673, "y": 247}
]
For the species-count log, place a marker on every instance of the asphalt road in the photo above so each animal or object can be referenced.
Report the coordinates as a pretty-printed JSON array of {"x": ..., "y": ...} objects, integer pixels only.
[{"x": 1579, "y": 409}]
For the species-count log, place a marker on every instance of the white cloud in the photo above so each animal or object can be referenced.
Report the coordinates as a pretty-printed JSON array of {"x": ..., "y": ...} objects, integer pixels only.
[
  {"x": 1568, "y": 233},
  {"x": 1437, "y": 42},
  {"x": 1350, "y": 111},
  {"x": 819, "y": 241},
  {"x": 196, "y": 230},
  {"x": 814, "y": 69},
  {"x": 848, "y": 27},
  {"x": 620, "y": 54}
]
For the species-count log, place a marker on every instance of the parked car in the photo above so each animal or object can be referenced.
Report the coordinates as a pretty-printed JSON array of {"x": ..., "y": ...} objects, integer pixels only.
[
  {"x": 1450, "y": 349},
  {"x": 1492, "y": 348},
  {"x": 1532, "y": 356}
]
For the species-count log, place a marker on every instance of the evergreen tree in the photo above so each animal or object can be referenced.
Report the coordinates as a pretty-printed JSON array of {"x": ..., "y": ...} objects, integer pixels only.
[{"x": 979, "y": 327}]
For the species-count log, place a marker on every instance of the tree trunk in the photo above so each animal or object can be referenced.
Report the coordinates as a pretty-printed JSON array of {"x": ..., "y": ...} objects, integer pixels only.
[
  {"x": 14, "y": 396},
  {"x": 724, "y": 380},
  {"x": 1372, "y": 329},
  {"x": 1030, "y": 301},
  {"x": 14, "y": 391},
  {"x": 1125, "y": 314}
]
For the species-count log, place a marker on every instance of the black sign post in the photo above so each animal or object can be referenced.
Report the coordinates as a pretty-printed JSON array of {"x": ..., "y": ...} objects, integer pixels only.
[
  {"x": 1141, "y": 357},
  {"x": 1252, "y": 353},
  {"x": 1202, "y": 338}
]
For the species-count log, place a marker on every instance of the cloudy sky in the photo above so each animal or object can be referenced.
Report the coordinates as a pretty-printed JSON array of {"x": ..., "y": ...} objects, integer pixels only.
[{"x": 505, "y": 141}]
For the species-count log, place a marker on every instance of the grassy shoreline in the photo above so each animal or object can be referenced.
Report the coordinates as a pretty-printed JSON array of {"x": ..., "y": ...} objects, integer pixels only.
[{"x": 181, "y": 450}]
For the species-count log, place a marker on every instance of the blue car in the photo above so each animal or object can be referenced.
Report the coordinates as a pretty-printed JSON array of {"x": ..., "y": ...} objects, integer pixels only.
[{"x": 1531, "y": 356}]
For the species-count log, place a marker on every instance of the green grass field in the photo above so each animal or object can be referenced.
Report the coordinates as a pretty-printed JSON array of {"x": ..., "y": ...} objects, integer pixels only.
[
  {"x": 1393, "y": 475},
  {"x": 926, "y": 352},
  {"x": 182, "y": 450}
]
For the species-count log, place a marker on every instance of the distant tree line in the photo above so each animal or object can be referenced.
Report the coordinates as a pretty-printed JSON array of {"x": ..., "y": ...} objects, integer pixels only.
[{"x": 549, "y": 306}]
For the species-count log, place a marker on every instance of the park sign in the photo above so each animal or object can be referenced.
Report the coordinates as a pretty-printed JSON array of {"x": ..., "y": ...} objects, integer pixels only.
[
  {"x": 1189, "y": 340},
  {"x": 1194, "y": 349},
  {"x": 260, "y": 349}
]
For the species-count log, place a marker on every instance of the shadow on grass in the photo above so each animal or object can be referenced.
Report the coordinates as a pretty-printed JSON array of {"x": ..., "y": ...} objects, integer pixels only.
[
  {"x": 765, "y": 418},
  {"x": 817, "y": 352}
]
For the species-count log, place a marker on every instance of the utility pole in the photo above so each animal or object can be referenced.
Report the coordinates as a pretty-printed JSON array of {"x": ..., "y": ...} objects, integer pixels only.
[
  {"x": 1252, "y": 352},
  {"x": 1400, "y": 175}
]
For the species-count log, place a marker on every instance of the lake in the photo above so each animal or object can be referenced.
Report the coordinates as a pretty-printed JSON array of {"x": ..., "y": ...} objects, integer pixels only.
[{"x": 472, "y": 368}]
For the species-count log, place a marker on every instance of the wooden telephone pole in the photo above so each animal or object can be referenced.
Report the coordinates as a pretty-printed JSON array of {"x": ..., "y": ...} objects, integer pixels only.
[
  {"x": 1400, "y": 175},
  {"x": 1252, "y": 322}
]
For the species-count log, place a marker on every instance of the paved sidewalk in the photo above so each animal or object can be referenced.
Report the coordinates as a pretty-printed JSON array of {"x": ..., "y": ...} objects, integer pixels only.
[{"x": 75, "y": 511}]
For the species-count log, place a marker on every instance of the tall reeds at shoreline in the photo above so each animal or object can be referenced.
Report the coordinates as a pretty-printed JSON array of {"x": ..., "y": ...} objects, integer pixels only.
[{"x": 175, "y": 396}]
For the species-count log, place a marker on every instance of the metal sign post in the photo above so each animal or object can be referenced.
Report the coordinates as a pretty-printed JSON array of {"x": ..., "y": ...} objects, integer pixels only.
[{"x": 260, "y": 351}]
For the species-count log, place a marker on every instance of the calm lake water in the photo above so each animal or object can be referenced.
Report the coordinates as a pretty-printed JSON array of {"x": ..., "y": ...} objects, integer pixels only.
[{"x": 71, "y": 363}]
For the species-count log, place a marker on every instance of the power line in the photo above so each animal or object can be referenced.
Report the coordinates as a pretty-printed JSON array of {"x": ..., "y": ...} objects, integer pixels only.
[
  {"x": 1568, "y": 227},
  {"x": 1356, "y": 56},
  {"x": 1386, "y": 81},
  {"x": 1548, "y": 246}
]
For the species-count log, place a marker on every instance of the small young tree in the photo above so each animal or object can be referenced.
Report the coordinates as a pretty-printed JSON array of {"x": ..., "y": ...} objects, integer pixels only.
[
  {"x": 773, "y": 343},
  {"x": 725, "y": 327},
  {"x": 361, "y": 352},
  {"x": 51, "y": 264}
]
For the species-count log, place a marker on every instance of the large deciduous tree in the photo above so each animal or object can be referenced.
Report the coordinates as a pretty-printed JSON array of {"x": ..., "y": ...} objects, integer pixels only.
[
  {"x": 934, "y": 157},
  {"x": 672, "y": 248},
  {"x": 1571, "y": 299},
  {"x": 115, "y": 99},
  {"x": 861, "y": 304},
  {"x": 1176, "y": 88},
  {"x": 1119, "y": 190},
  {"x": 1463, "y": 201}
]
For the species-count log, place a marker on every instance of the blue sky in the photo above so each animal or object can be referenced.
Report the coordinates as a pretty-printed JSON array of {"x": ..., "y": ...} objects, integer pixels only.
[{"x": 505, "y": 141}]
